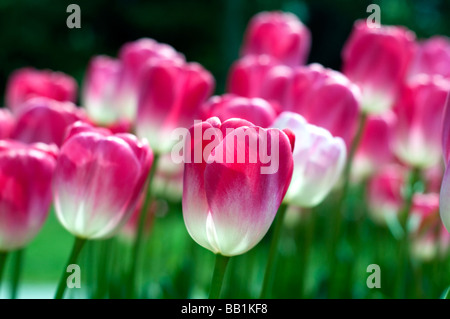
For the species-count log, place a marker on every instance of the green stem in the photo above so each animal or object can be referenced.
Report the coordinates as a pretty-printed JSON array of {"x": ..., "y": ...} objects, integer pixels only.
[
  {"x": 3, "y": 257},
  {"x": 219, "y": 273},
  {"x": 17, "y": 270},
  {"x": 307, "y": 233},
  {"x": 136, "y": 256},
  {"x": 76, "y": 249},
  {"x": 268, "y": 276}
]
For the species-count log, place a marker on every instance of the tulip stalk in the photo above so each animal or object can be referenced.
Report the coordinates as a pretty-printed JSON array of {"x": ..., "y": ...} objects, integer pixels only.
[
  {"x": 220, "y": 267},
  {"x": 135, "y": 261},
  {"x": 268, "y": 276},
  {"x": 76, "y": 249},
  {"x": 3, "y": 257},
  {"x": 17, "y": 270}
]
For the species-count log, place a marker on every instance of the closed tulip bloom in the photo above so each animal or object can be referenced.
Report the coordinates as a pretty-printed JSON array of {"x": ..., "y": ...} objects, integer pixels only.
[
  {"x": 28, "y": 83},
  {"x": 7, "y": 123},
  {"x": 419, "y": 111},
  {"x": 278, "y": 34},
  {"x": 255, "y": 110},
  {"x": 98, "y": 179},
  {"x": 228, "y": 206},
  {"x": 319, "y": 160},
  {"x": 100, "y": 88},
  {"x": 25, "y": 191},
  {"x": 432, "y": 56},
  {"x": 377, "y": 59},
  {"x": 134, "y": 56},
  {"x": 45, "y": 120},
  {"x": 171, "y": 97}
]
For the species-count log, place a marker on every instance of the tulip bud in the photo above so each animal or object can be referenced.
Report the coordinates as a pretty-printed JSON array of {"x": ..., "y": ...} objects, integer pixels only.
[
  {"x": 229, "y": 198},
  {"x": 432, "y": 56},
  {"x": 279, "y": 34},
  {"x": 419, "y": 111},
  {"x": 319, "y": 160},
  {"x": 28, "y": 83},
  {"x": 98, "y": 180},
  {"x": 25, "y": 191},
  {"x": 45, "y": 120},
  {"x": 7, "y": 124},
  {"x": 172, "y": 94},
  {"x": 377, "y": 59},
  {"x": 255, "y": 110}
]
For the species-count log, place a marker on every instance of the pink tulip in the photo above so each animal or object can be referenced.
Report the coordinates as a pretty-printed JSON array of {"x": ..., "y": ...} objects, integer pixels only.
[
  {"x": 98, "y": 180},
  {"x": 45, "y": 120},
  {"x": 279, "y": 34},
  {"x": 100, "y": 89},
  {"x": 25, "y": 191},
  {"x": 319, "y": 160},
  {"x": 172, "y": 95},
  {"x": 255, "y": 110},
  {"x": 228, "y": 206},
  {"x": 377, "y": 59},
  {"x": 28, "y": 83},
  {"x": 419, "y": 110},
  {"x": 432, "y": 56},
  {"x": 374, "y": 150},
  {"x": 7, "y": 123},
  {"x": 134, "y": 56}
]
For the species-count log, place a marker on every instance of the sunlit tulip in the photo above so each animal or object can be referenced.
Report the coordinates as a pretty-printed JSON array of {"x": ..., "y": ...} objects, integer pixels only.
[
  {"x": 172, "y": 96},
  {"x": 419, "y": 110},
  {"x": 25, "y": 191},
  {"x": 255, "y": 110},
  {"x": 98, "y": 180},
  {"x": 134, "y": 56},
  {"x": 319, "y": 160},
  {"x": 432, "y": 56},
  {"x": 28, "y": 83},
  {"x": 7, "y": 123},
  {"x": 377, "y": 59},
  {"x": 278, "y": 34},
  {"x": 45, "y": 120},
  {"x": 228, "y": 205}
]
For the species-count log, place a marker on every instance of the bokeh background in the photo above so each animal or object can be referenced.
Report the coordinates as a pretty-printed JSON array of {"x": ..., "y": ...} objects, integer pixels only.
[{"x": 34, "y": 33}]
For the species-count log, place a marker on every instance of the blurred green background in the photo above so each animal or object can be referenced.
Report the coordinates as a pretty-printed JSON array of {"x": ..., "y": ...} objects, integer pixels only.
[{"x": 34, "y": 33}]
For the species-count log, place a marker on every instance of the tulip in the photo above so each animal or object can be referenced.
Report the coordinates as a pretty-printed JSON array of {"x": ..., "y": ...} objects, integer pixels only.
[
  {"x": 432, "y": 56},
  {"x": 419, "y": 111},
  {"x": 377, "y": 59},
  {"x": 228, "y": 207},
  {"x": 25, "y": 191},
  {"x": 28, "y": 83},
  {"x": 171, "y": 97},
  {"x": 319, "y": 160},
  {"x": 99, "y": 90},
  {"x": 45, "y": 120},
  {"x": 255, "y": 110},
  {"x": 7, "y": 124},
  {"x": 134, "y": 56},
  {"x": 279, "y": 34}
]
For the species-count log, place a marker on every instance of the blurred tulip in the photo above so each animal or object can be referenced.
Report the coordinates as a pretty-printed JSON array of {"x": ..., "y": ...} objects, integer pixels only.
[
  {"x": 228, "y": 207},
  {"x": 25, "y": 191},
  {"x": 419, "y": 110},
  {"x": 377, "y": 59},
  {"x": 319, "y": 160},
  {"x": 7, "y": 123},
  {"x": 45, "y": 120},
  {"x": 255, "y": 110},
  {"x": 100, "y": 89},
  {"x": 374, "y": 150},
  {"x": 432, "y": 56},
  {"x": 134, "y": 56},
  {"x": 28, "y": 83},
  {"x": 278, "y": 34},
  {"x": 98, "y": 180},
  {"x": 171, "y": 97}
]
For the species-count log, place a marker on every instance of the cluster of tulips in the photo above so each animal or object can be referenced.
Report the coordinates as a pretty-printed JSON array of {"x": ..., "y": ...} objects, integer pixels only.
[{"x": 378, "y": 122}]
